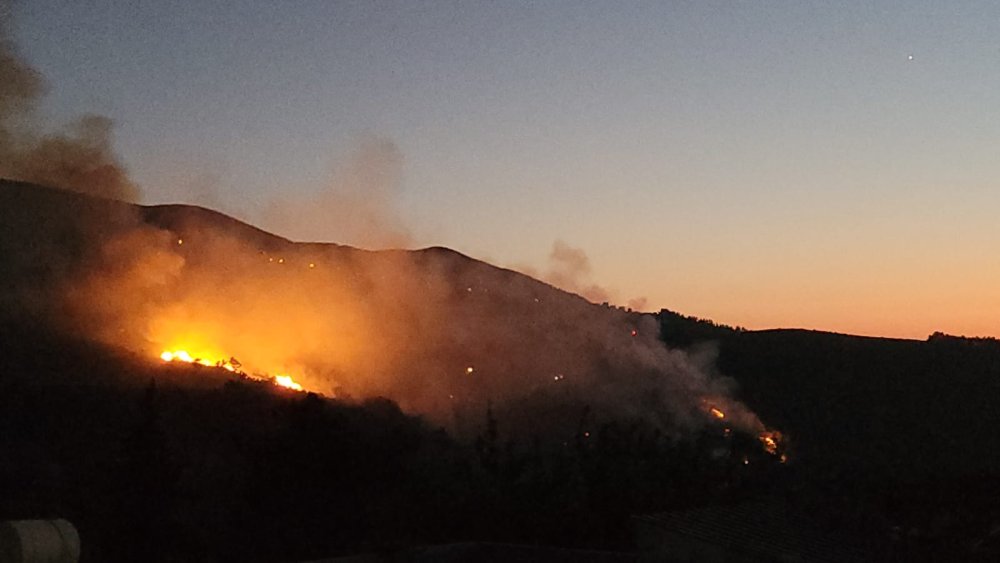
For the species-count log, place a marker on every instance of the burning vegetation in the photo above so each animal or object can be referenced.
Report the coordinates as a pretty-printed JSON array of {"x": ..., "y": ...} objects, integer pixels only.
[
  {"x": 441, "y": 334},
  {"x": 231, "y": 365},
  {"x": 771, "y": 441}
]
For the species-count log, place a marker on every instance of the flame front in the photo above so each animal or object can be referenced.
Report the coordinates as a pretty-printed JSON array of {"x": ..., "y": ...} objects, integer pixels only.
[
  {"x": 231, "y": 365},
  {"x": 287, "y": 381},
  {"x": 771, "y": 441}
]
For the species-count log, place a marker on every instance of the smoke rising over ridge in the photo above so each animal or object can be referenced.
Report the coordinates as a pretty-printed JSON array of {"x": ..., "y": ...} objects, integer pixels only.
[
  {"x": 356, "y": 206},
  {"x": 569, "y": 269},
  {"x": 78, "y": 158},
  {"x": 440, "y": 333}
]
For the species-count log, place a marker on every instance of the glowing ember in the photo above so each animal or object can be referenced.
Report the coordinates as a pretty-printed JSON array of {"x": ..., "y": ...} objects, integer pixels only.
[
  {"x": 717, "y": 413},
  {"x": 770, "y": 441},
  {"x": 287, "y": 381}
]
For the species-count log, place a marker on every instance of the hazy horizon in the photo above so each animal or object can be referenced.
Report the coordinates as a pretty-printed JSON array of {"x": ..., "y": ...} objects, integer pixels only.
[{"x": 766, "y": 165}]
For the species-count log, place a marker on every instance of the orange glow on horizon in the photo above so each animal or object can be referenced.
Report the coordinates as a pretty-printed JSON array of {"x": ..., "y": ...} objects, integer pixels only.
[
  {"x": 895, "y": 285},
  {"x": 878, "y": 316}
]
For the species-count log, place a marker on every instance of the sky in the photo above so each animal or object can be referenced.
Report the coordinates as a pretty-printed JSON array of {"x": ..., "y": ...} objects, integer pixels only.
[{"x": 764, "y": 164}]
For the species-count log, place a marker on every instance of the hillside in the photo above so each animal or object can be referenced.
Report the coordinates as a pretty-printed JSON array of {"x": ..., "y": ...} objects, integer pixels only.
[
  {"x": 443, "y": 334},
  {"x": 867, "y": 406},
  {"x": 883, "y": 430},
  {"x": 164, "y": 461},
  {"x": 560, "y": 416}
]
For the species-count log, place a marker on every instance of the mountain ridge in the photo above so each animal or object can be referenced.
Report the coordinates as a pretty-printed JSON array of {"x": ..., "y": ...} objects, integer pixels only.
[
  {"x": 428, "y": 327},
  {"x": 890, "y": 431}
]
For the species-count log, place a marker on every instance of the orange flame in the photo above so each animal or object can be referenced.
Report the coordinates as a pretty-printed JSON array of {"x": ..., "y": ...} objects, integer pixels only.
[
  {"x": 717, "y": 413},
  {"x": 287, "y": 381},
  {"x": 231, "y": 365},
  {"x": 770, "y": 441}
]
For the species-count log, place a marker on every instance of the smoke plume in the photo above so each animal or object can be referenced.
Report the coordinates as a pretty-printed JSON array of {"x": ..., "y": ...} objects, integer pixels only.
[
  {"x": 440, "y": 333},
  {"x": 357, "y": 206},
  {"x": 78, "y": 158},
  {"x": 569, "y": 269}
]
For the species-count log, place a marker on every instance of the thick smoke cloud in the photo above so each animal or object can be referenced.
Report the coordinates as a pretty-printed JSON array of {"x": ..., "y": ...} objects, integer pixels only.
[
  {"x": 441, "y": 334},
  {"x": 20, "y": 85},
  {"x": 79, "y": 158},
  {"x": 356, "y": 207},
  {"x": 359, "y": 324}
]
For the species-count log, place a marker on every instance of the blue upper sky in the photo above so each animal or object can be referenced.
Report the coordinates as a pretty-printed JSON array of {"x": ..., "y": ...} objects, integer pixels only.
[{"x": 824, "y": 164}]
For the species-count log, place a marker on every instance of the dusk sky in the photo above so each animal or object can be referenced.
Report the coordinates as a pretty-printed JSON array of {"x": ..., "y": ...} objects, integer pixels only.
[{"x": 828, "y": 165}]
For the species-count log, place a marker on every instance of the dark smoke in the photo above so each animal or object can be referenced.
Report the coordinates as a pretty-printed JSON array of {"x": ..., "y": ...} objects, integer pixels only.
[{"x": 79, "y": 158}]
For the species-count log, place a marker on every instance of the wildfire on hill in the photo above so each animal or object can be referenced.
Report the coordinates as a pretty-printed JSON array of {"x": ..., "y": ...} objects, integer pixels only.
[
  {"x": 231, "y": 365},
  {"x": 772, "y": 441},
  {"x": 435, "y": 331}
]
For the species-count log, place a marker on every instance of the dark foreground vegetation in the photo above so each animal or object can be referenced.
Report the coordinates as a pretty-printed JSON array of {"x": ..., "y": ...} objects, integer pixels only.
[
  {"x": 895, "y": 438},
  {"x": 180, "y": 463}
]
